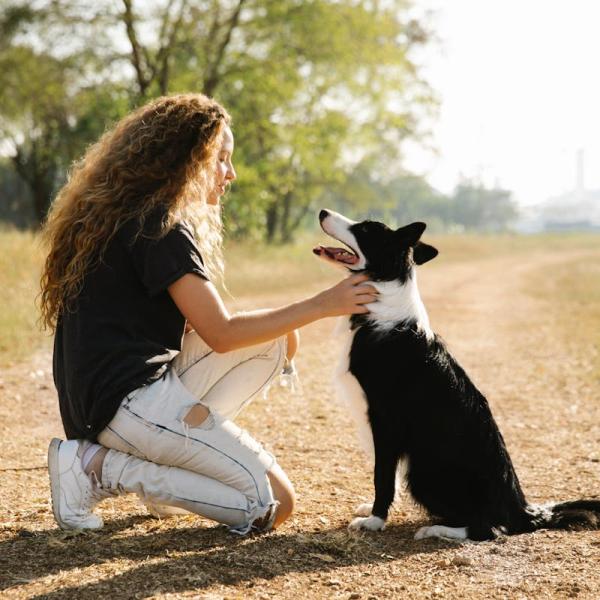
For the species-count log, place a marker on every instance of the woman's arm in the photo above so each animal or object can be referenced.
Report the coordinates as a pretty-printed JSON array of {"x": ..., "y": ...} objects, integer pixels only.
[{"x": 200, "y": 303}]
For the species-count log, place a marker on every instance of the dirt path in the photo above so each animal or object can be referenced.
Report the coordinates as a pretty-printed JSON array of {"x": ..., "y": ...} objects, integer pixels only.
[{"x": 510, "y": 343}]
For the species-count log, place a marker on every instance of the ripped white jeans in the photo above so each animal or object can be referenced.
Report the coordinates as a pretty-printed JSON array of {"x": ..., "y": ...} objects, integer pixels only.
[{"x": 215, "y": 469}]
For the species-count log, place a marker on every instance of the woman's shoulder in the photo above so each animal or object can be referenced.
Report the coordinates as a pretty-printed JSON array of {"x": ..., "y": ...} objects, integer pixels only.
[
  {"x": 153, "y": 232},
  {"x": 150, "y": 226}
]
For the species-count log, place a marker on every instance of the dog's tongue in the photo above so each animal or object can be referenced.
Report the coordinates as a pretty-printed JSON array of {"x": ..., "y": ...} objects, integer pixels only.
[{"x": 339, "y": 254}]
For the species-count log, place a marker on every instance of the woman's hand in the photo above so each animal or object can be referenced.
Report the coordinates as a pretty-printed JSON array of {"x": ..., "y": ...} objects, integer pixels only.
[{"x": 348, "y": 297}]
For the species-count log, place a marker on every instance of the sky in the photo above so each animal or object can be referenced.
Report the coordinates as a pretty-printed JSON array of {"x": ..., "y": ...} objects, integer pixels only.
[{"x": 519, "y": 84}]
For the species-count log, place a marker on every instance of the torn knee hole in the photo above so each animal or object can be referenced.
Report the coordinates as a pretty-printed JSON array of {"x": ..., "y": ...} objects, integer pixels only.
[{"x": 196, "y": 415}]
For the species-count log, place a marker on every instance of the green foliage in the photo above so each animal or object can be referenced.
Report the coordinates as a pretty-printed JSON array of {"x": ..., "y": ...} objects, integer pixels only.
[
  {"x": 314, "y": 87},
  {"x": 49, "y": 111},
  {"x": 477, "y": 208},
  {"x": 407, "y": 197}
]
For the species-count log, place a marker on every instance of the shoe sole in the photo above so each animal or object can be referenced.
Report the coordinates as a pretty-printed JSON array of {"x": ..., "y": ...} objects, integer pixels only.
[{"x": 54, "y": 476}]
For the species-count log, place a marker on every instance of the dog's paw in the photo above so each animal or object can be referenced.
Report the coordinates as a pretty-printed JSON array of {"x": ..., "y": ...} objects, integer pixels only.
[
  {"x": 371, "y": 523},
  {"x": 422, "y": 533},
  {"x": 363, "y": 510},
  {"x": 440, "y": 531}
]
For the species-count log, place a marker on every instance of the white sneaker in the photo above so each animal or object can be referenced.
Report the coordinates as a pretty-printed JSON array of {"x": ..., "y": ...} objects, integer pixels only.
[{"x": 73, "y": 493}]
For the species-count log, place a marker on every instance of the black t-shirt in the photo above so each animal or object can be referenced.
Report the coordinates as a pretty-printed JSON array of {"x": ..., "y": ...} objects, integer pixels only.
[{"x": 124, "y": 328}]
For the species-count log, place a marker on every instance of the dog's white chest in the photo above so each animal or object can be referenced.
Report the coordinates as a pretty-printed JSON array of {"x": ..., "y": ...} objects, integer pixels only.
[
  {"x": 350, "y": 392},
  {"x": 352, "y": 396}
]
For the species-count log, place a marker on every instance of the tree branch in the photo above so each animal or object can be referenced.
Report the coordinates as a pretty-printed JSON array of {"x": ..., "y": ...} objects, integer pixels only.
[
  {"x": 214, "y": 27},
  {"x": 136, "y": 49},
  {"x": 212, "y": 78},
  {"x": 299, "y": 217},
  {"x": 164, "y": 53}
]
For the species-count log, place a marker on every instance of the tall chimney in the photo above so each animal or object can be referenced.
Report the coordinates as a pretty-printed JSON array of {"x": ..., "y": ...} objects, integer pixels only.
[{"x": 580, "y": 184}]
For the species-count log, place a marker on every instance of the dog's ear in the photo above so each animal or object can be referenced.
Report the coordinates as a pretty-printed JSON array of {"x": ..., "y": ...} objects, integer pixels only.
[
  {"x": 410, "y": 234},
  {"x": 423, "y": 253}
]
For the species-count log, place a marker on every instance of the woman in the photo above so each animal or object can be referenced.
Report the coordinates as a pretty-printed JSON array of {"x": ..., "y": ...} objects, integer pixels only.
[{"x": 149, "y": 366}]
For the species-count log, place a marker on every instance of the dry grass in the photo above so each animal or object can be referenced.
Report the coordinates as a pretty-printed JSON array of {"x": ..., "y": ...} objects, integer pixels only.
[
  {"x": 520, "y": 314},
  {"x": 20, "y": 261}
]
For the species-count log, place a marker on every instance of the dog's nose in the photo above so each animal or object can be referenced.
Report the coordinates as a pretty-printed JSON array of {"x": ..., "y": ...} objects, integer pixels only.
[{"x": 322, "y": 215}]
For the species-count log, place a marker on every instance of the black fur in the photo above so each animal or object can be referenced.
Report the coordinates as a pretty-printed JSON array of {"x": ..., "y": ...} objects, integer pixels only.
[{"x": 424, "y": 408}]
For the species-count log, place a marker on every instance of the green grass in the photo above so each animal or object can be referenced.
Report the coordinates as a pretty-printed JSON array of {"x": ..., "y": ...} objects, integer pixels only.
[{"x": 254, "y": 269}]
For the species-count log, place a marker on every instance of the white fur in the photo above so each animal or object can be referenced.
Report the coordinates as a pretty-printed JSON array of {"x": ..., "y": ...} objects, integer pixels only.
[
  {"x": 441, "y": 531},
  {"x": 363, "y": 510},
  {"x": 399, "y": 302},
  {"x": 338, "y": 227},
  {"x": 542, "y": 510},
  {"x": 350, "y": 392},
  {"x": 369, "y": 523}
]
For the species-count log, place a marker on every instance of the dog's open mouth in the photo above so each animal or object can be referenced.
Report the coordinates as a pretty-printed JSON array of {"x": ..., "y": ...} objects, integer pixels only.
[{"x": 341, "y": 255}]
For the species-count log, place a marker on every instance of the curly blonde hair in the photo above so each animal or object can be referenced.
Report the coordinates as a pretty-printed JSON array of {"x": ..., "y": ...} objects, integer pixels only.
[{"x": 160, "y": 158}]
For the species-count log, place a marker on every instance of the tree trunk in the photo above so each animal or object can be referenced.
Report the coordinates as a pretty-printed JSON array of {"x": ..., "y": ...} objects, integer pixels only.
[
  {"x": 285, "y": 235},
  {"x": 272, "y": 222},
  {"x": 42, "y": 195},
  {"x": 38, "y": 177},
  {"x": 212, "y": 77},
  {"x": 293, "y": 226}
]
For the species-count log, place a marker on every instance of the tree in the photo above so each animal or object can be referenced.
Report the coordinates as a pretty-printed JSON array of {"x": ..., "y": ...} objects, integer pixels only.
[
  {"x": 315, "y": 87},
  {"x": 50, "y": 109},
  {"x": 406, "y": 198},
  {"x": 397, "y": 201},
  {"x": 476, "y": 207},
  {"x": 16, "y": 207},
  {"x": 34, "y": 121},
  {"x": 318, "y": 85}
]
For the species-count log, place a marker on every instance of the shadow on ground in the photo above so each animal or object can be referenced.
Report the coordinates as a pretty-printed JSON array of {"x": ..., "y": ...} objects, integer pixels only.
[{"x": 203, "y": 557}]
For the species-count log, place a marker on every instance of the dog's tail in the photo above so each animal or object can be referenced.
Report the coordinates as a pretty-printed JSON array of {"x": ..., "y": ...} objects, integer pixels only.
[{"x": 577, "y": 515}]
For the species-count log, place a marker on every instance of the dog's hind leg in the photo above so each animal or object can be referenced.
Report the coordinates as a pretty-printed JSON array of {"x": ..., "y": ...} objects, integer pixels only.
[
  {"x": 476, "y": 532},
  {"x": 442, "y": 531},
  {"x": 481, "y": 532}
]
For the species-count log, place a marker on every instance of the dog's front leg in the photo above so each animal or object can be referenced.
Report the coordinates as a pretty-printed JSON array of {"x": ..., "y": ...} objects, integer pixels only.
[{"x": 386, "y": 462}]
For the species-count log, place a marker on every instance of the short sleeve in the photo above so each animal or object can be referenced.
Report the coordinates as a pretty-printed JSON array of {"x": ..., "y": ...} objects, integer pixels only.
[{"x": 161, "y": 262}]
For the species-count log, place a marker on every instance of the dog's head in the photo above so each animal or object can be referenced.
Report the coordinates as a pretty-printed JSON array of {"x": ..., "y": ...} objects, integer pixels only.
[{"x": 384, "y": 254}]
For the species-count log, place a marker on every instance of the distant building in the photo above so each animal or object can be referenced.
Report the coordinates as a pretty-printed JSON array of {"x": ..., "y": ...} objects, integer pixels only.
[
  {"x": 578, "y": 210},
  {"x": 572, "y": 211}
]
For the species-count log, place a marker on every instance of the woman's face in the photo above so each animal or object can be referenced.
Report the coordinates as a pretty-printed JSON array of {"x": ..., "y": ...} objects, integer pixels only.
[{"x": 225, "y": 173}]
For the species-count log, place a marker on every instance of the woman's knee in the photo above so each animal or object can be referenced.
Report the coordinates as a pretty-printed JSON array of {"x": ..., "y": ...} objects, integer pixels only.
[{"x": 283, "y": 492}]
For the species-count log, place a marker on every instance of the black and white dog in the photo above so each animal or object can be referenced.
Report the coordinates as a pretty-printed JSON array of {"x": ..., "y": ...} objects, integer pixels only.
[{"x": 429, "y": 424}]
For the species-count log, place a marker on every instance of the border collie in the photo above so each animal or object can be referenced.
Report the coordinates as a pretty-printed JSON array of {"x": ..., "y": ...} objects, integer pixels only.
[{"x": 420, "y": 414}]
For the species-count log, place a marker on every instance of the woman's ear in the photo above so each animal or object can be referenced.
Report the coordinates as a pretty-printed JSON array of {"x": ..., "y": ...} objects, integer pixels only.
[{"x": 423, "y": 253}]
